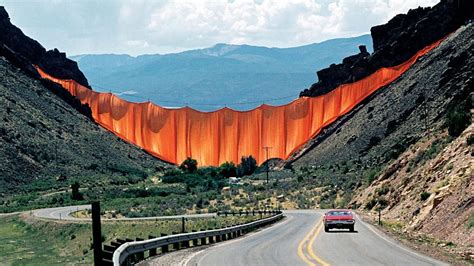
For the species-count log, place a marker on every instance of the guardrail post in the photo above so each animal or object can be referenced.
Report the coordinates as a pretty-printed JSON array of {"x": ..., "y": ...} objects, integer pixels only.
[
  {"x": 175, "y": 245},
  {"x": 140, "y": 255},
  {"x": 185, "y": 244},
  {"x": 153, "y": 250},
  {"x": 165, "y": 248},
  {"x": 218, "y": 238},
  {"x": 203, "y": 240},
  {"x": 96, "y": 233},
  {"x": 195, "y": 241}
]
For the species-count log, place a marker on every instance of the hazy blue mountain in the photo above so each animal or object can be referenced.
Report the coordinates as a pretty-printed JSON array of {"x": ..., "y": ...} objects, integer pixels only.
[{"x": 208, "y": 79}]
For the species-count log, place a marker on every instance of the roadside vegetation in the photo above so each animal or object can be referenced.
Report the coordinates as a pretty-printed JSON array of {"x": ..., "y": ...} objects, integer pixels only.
[{"x": 28, "y": 241}]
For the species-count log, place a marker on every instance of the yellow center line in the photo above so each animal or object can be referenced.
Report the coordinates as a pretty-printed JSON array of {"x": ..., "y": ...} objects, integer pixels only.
[
  {"x": 310, "y": 246},
  {"x": 301, "y": 253},
  {"x": 308, "y": 240}
]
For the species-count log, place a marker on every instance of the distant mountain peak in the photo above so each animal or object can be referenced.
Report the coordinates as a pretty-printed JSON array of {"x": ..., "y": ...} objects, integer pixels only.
[{"x": 220, "y": 49}]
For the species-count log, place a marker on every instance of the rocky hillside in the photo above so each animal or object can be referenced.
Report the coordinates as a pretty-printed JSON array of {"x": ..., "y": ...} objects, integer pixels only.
[
  {"x": 47, "y": 139},
  {"x": 402, "y": 113},
  {"x": 407, "y": 150},
  {"x": 24, "y": 51},
  {"x": 395, "y": 42},
  {"x": 46, "y": 143},
  {"x": 429, "y": 198}
]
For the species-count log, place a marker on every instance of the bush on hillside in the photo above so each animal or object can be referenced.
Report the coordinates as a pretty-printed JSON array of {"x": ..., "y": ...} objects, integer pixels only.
[
  {"x": 458, "y": 118},
  {"x": 247, "y": 166},
  {"x": 424, "y": 195},
  {"x": 228, "y": 169},
  {"x": 189, "y": 165}
]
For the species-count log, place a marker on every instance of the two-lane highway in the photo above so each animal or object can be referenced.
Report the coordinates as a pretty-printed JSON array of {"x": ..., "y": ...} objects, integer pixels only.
[{"x": 300, "y": 240}]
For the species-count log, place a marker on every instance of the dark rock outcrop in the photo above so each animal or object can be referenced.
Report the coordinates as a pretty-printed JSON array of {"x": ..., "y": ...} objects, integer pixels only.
[
  {"x": 395, "y": 42},
  {"x": 24, "y": 51}
]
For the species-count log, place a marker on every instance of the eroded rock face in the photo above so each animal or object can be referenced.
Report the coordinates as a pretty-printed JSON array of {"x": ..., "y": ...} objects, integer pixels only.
[
  {"x": 395, "y": 42},
  {"x": 24, "y": 51}
]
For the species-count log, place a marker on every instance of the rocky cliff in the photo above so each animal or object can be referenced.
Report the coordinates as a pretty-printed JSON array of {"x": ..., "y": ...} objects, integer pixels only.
[
  {"x": 45, "y": 143},
  {"x": 24, "y": 51},
  {"x": 400, "y": 152},
  {"x": 47, "y": 139},
  {"x": 395, "y": 42}
]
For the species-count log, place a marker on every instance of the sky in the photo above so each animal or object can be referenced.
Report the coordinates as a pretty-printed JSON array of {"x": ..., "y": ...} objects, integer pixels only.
[{"x": 150, "y": 27}]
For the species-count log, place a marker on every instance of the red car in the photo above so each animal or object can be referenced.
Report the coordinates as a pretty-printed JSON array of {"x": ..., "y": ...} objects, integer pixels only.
[{"x": 339, "y": 219}]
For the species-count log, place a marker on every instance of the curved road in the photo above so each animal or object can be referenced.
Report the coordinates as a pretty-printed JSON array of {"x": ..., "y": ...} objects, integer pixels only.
[
  {"x": 301, "y": 240},
  {"x": 64, "y": 213}
]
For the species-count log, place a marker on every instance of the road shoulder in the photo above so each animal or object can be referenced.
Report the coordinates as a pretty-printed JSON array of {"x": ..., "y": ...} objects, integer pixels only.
[{"x": 404, "y": 239}]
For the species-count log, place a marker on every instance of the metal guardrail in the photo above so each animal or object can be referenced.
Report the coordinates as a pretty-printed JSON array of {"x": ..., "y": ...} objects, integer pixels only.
[{"x": 125, "y": 250}]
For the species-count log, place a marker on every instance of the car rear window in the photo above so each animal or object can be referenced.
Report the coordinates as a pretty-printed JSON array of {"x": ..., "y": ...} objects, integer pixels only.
[{"x": 339, "y": 213}]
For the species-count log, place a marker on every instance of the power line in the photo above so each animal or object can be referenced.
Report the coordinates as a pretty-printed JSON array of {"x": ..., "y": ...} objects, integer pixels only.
[
  {"x": 266, "y": 148},
  {"x": 198, "y": 103}
]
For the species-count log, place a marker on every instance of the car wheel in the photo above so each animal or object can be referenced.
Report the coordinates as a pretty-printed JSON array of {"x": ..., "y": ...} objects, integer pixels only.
[
  {"x": 326, "y": 229},
  {"x": 351, "y": 228}
]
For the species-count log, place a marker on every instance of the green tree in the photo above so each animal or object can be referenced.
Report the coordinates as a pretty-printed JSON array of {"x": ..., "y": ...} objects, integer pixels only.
[
  {"x": 76, "y": 195},
  {"x": 247, "y": 166},
  {"x": 189, "y": 165},
  {"x": 228, "y": 169},
  {"x": 458, "y": 118}
]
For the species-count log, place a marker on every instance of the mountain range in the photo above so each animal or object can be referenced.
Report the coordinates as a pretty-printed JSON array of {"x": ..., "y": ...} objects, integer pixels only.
[{"x": 236, "y": 76}]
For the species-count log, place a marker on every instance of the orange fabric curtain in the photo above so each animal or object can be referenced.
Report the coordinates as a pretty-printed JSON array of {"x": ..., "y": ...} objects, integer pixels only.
[{"x": 226, "y": 135}]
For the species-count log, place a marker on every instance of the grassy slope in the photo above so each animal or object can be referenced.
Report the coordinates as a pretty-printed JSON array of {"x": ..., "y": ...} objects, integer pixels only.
[{"x": 29, "y": 241}]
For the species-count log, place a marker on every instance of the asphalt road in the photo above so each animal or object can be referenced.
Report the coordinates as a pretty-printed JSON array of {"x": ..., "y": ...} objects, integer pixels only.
[
  {"x": 64, "y": 213},
  {"x": 300, "y": 240}
]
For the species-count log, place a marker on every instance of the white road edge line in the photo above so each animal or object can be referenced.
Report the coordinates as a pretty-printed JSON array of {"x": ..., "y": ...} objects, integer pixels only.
[
  {"x": 188, "y": 259},
  {"x": 408, "y": 250}
]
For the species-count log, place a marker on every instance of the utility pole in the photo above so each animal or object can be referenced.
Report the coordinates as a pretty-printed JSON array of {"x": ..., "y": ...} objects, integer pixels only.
[
  {"x": 267, "y": 148},
  {"x": 96, "y": 233}
]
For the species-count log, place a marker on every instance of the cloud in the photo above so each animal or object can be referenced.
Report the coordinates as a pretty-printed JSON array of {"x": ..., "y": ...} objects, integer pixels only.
[{"x": 137, "y": 27}]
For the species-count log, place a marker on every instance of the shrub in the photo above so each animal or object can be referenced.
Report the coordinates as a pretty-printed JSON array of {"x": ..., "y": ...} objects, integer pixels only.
[
  {"x": 300, "y": 178},
  {"x": 424, "y": 195},
  {"x": 189, "y": 165},
  {"x": 470, "y": 140},
  {"x": 370, "y": 174},
  {"x": 383, "y": 202},
  {"x": 128, "y": 171},
  {"x": 228, "y": 169},
  {"x": 470, "y": 221},
  {"x": 247, "y": 166},
  {"x": 76, "y": 195},
  {"x": 371, "y": 204},
  {"x": 382, "y": 190},
  {"x": 458, "y": 118}
]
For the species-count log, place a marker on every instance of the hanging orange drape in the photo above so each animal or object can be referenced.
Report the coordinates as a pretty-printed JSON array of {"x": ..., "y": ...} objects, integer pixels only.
[{"x": 226, "y": 135}]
